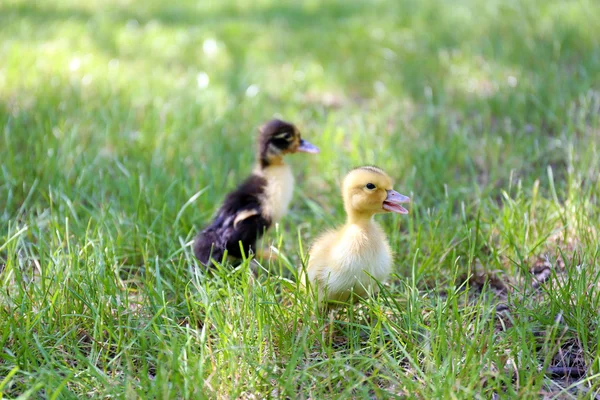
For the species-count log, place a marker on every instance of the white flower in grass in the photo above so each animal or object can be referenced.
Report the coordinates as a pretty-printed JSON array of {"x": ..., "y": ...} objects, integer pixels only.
[
  {"x": 210, "y": 47},
  {"x": 75, "y": 64},
  {"x": 202, "y": 79},
  {"x": 252, "y": 90}
]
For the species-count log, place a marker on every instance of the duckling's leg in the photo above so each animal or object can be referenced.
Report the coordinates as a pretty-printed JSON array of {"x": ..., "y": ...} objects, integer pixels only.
[
  {"x": 265, "y": 255},
  {"x": 260, "y": 260}
]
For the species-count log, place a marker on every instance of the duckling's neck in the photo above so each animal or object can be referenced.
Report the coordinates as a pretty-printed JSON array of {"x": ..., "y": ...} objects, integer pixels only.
[
  {"x": 269, "y": 160},
  {"x": 360, "y": 220},
  {"x": 278, "y": 191}
]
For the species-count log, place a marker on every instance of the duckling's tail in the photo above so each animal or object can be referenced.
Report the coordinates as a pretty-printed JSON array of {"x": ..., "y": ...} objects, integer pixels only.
[{"x": 206, "y": 247}]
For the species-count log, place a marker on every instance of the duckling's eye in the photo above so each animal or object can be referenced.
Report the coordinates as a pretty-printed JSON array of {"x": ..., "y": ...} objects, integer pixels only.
[{"x": 370, "y": 186}]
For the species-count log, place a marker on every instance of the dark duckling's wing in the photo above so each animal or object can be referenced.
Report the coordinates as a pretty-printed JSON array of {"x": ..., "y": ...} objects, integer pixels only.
[{"x": 240, "y": 218}]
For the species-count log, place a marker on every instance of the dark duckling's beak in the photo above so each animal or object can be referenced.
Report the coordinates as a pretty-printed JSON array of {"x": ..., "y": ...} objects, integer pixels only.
[
  {"x": 393, "y": 200},
  {"x": 307, "y": 147}
]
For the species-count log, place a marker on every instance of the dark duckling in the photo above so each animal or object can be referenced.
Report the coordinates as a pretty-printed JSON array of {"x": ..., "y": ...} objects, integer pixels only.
[{"x": 258, "y": 202}]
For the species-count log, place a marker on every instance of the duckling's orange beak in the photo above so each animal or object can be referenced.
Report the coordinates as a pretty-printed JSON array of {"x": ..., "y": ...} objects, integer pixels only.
[
  {"x": 307, "y": 147},
  {"x": 393, "y": 200}
]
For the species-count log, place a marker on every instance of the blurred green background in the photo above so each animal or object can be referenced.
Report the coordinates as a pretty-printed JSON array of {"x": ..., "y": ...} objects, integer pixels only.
[
  {"x": 124, "y": 123},
  {"x": 139, "y": 105}
]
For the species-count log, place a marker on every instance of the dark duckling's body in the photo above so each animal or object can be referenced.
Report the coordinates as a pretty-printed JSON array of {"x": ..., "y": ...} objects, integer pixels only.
[{"x": 258, "y": 202}]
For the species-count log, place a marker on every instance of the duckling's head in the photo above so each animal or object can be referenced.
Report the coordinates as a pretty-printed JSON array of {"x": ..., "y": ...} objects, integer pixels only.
[
  {"x": 368, "y": 190},
  {"x": 278, "y": 138}
]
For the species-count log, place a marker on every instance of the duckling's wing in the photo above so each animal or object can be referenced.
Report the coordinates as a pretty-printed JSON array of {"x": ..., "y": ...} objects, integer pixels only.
[
  {"x": 227, "y": 230},
  {"x": 239, "y": 219},
  {"x": 249, "y": 226}
]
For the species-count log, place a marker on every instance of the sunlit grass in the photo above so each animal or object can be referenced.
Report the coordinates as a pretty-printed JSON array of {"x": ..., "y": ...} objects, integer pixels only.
[{"x": 125, "y": 123}]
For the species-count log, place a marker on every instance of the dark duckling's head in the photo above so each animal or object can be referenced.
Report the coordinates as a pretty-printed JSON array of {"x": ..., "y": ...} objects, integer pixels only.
[{"x": 278, "y": 138}]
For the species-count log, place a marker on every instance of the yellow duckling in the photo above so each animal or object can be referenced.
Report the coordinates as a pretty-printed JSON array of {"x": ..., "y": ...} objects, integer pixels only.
[{"x": 342, "y": 262}]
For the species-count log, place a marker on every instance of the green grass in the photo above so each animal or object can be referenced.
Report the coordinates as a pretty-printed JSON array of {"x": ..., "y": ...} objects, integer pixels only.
[{"x": 124, "y": 123}]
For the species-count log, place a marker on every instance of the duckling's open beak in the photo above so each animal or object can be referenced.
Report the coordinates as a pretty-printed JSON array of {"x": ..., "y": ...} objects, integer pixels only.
[
  {"x": 393, "y": 200},
  {"x": 307, "y": 147}
]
